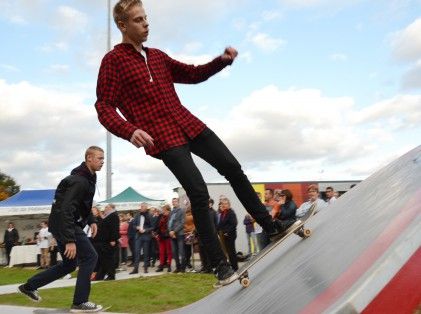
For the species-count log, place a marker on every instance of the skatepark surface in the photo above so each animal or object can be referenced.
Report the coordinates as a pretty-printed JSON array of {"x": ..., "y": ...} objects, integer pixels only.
[{"x": 359, "y": 244}]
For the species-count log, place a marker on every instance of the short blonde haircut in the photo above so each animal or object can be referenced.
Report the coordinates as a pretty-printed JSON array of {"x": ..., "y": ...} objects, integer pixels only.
[
  {"x": 122, "y": 7},
  {"x": 91, "y": 150}
]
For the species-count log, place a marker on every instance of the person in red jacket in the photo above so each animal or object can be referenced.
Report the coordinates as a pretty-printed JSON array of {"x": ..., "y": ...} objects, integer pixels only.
[{"x": 139, "y": 82}]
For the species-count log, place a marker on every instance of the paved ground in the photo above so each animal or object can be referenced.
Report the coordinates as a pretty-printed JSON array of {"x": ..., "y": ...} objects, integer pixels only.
[{"x": 58, "y": 284}]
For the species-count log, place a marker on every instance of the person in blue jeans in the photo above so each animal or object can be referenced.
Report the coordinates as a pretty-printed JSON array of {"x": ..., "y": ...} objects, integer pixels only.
[
  {"x": 176, "y": 230},
  {"x": 144, "y": 228},
  {"x": 70, "y": 213}
]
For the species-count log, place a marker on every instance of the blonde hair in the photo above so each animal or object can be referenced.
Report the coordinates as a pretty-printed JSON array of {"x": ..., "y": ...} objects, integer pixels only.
[
  {"x": 91, "y": 150},
  {"x": 122, "y": 7}
]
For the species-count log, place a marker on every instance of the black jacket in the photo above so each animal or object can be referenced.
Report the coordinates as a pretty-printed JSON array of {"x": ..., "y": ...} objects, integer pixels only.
[
  {"x": 131, "y": 232},
  {"x": 72, "y": 204},
  {"x": 109, "y": 229},
  {"x": 288, "y": 211},
  {"x": 228, "y": 223},
  {"x": 213, "y": 216},
  {"x": 11, "y": 238}
]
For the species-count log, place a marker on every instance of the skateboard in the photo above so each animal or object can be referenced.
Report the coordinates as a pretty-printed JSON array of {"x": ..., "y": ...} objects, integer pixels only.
[
  {"x": 65, "y": 311},
  {"x": 297, "y": 228}
]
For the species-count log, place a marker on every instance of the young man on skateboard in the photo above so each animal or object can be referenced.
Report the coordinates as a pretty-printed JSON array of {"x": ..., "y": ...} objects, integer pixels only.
[
  {"x": 70, "y": 212},
  {"x": 139, "y": 81}
]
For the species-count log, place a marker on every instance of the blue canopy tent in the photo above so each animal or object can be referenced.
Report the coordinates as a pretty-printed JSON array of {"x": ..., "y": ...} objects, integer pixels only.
[{"x": 28, "y": 202}]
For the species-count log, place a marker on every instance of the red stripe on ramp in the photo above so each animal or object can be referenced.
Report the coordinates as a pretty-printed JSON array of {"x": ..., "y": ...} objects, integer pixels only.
[
  {"x": 403, "y": 293},
  {"x": 367, "y": 258}
]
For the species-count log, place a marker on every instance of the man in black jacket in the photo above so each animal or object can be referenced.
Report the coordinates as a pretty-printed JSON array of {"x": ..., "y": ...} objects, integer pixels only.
[
  {"x": 227, "y": 230},
  {"x": 70, "y": 212},
  {"x": 107, "y": 240},
  {"x": 10, "y": 239}
]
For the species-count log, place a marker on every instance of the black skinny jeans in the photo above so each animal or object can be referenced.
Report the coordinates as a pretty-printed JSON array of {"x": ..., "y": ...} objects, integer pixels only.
[
  {"x": 210, "y": 148},
  {"x": 86, "y": 258}
]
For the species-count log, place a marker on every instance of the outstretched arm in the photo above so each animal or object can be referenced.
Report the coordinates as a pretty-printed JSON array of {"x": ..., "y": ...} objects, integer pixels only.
[{"x": 191, "y": 74}]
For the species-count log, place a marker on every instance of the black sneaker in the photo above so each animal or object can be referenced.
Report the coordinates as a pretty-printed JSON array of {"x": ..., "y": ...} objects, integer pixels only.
[
  {"x": 86, "y": 307},
  {"x": 225, "y": 274},
  {"x": 32, "y": 294}
]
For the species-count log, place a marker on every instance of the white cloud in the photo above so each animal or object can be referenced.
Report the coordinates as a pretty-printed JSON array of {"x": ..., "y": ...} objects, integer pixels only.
[
  {"x": 338, "y": 56},
  {"x": 266, "y": 42},
  {"x": 306, "y": 121},
  {"x": 70, "y": 20},
  {"x": 399, "y": 112},
  {"x": 273, "y": 128},
  {"x": 406, "y": 43},
  {"x": 45, "y": 131}
]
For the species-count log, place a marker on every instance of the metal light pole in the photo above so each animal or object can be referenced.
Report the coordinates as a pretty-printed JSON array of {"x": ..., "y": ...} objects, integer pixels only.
[{"x": 109, "y": 152}]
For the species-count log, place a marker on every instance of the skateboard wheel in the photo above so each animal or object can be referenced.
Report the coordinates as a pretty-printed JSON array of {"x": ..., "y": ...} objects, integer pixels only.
[
  {"x": 245, "y": 282},
  {"x": 306, "y": 233}
]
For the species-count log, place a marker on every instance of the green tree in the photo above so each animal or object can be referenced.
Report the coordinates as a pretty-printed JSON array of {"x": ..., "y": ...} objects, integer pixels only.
[{"x": 8, "y": 186}]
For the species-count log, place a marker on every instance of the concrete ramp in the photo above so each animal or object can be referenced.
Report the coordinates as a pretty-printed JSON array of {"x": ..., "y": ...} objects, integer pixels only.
[{"x": 364, "y": 249}]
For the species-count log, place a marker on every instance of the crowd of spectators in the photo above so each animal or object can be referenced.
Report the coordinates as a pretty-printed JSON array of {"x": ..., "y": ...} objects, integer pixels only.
[{"x": 159, "y": 235}]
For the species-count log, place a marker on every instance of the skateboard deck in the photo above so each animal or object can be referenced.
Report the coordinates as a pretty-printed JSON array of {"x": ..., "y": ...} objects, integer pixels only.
[
  {"x": 296, "y": 228},
  {"x": 64, "y": 311}
]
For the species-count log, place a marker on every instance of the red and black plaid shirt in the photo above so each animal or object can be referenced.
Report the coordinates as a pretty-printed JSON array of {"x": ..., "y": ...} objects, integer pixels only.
[{"x": 147, "y": 98}]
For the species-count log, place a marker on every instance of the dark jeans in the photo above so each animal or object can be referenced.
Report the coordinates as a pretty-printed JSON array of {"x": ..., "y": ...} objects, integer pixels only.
[
  {"x": 188, "y": 254},
  {"x": 53, "y": 255},
  {"x": 132, "y": 247},
  {"x": 204, "y": 258},
  {"x": 123, "y": 256},
  {"x": 262, "y": 240},
  {"x": 86, "y": 258},
  {"x": 153, "y": 254},
  {"x": 143, "y": 242},
  {"x": 108, "y": 261},
  {"x": 177, "y": 246},
  {"x": 210, "y": 148},
  {"x": 8, "y": 251},
  {"x": 229, "y": 241}
]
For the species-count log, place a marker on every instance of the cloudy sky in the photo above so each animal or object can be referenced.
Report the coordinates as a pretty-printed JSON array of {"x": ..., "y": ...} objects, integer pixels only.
[{"x": 322, "y": 89}]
